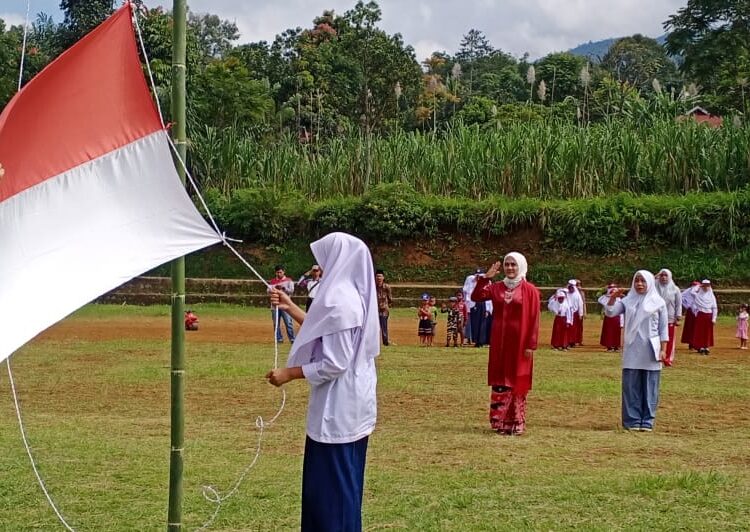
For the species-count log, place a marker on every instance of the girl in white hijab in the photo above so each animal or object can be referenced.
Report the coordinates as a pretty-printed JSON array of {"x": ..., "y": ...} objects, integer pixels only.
[
  {"x": 672, "y": 296},
  {"x": 559, "y": 306},
  {"x": 646, "y": 337},
  {"x": 335, "y": 352},
  {"x": 611, "y": 334},
  {"x": 706, "y": 309}
]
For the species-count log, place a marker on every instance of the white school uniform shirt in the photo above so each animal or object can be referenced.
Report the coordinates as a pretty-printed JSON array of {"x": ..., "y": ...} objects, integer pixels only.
[
  {"x": 338, "y": 341},
  {"x": 342, "y": 407},
  {"x": 705, "y": 302},
  {"x": 603, "y": 300},
  {"x": 469, "y": 284},
  {"x": 576, "y": 302},
  {"x": 560, "y": 309},
  {"x": 646, "y": 325}
]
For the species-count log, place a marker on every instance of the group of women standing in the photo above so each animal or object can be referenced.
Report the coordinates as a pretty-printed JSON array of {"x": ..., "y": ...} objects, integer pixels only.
[
  {"x": 339, "y": 339},
  {"x": 701, "y": 310},
  {"x": 648, "y": 313}
]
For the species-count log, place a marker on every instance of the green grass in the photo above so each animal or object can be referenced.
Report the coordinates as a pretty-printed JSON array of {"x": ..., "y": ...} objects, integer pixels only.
[{"x": 97, "y": 416}]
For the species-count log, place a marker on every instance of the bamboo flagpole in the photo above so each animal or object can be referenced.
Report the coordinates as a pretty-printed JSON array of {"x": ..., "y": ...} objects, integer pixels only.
[{"x": 177, "y": 408}]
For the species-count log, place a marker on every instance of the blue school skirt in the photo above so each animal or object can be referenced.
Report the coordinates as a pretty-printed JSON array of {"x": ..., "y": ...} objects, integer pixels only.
[{"x": 333, "y": 477}]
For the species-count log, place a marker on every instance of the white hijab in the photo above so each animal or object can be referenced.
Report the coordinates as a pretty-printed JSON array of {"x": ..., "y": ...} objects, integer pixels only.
[
  {"x": 641, "y": 306},
  {"x": 561, "y": 309},
  {"x": 704, "y": 299},
  {"x": 669, "y": 290},
  {"x": 604, "y": 299},
  {"x": 523, "y": 267},
  {"x": 346, "y": 299}
]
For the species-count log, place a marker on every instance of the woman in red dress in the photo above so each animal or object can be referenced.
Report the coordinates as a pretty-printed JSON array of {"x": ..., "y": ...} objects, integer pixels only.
[{"x": 513, "y": 340}]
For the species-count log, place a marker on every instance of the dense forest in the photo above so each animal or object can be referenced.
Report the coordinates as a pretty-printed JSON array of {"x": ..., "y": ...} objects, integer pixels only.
[
  {"x": 345, "y": 74},
  {"x": 340, "y": 118}
]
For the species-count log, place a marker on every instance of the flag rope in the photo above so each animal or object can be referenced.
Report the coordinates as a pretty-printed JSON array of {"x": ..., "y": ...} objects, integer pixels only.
[
  {"x": 210, "y": 493},
  {"x": 16, "y": 402}
]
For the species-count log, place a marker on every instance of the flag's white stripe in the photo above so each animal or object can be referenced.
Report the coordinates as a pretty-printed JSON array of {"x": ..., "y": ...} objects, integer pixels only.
[{"x": 82, "y": 233}]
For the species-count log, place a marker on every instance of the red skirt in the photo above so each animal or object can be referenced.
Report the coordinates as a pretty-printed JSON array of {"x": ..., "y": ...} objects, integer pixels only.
[
  {"x": 703, "y": 331},
  {"x": 560, "y": 331},
  {"x": 670, "y": 346},
  {"x": 576, "y": 331},
  {"x": 611, "y": 332},
  {"x": 687, "y": 327}
]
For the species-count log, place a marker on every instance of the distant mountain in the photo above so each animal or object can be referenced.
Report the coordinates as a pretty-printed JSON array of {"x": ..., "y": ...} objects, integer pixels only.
[{"x": 595, "y": 50}]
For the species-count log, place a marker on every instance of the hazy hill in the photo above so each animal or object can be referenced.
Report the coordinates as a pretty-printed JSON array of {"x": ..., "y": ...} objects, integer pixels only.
[{"x": 595, "y": 50}]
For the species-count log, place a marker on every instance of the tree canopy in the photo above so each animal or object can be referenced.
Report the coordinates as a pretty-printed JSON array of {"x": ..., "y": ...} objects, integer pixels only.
[{"x": 343, "y": 72}]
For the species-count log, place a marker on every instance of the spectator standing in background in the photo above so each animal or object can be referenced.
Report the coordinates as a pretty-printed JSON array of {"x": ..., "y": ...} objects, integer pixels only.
[
  {"x": 577, "y": 305},
  {"x": 672, "y": 296},
  {"x": 706, "y": 311},
  {"x": 469, "y": 283},
  {"x": 286, "y": 285},
  {"x": 385, "y": 300},
  {"x": 558, "y": 305},
  {"x": 611, "y": 326},
  {"x": 688, "y": 313},
  {"x": 309, "y": 282}
]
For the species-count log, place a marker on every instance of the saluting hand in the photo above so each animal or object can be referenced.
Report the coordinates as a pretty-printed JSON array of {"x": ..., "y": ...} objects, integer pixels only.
[{"x": 493, "y": 270}]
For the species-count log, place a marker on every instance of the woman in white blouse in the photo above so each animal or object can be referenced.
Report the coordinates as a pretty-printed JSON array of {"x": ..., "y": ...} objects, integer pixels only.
[{"x": 644, "y": 349}]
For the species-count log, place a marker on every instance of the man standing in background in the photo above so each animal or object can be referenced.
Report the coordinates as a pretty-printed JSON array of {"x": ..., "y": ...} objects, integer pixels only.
[
  {"x": 286, "y": 284},
  {"x": 309, "y": 282},
  {"x": 385, "y": 300}
]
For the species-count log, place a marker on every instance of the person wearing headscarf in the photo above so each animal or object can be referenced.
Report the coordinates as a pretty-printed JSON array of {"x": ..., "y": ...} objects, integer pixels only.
[
  {"x": 706, "y": 310},
  {"x": 469, "y": 284},
  {"x": 513, "y": 340},
  {"x": 578, "y": 305},
  {"x": 644, "y": 349},
  {"x": 672, "y": 296},
  {"x": 335, "y": 352},
  {"x": 611, "y": 326},
  {"x": 688, "y": 313},
  {"x": 558, "y": 305}
]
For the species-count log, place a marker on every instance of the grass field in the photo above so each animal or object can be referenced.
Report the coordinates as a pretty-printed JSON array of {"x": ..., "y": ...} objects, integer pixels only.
[{"x": 95, "y": 399}]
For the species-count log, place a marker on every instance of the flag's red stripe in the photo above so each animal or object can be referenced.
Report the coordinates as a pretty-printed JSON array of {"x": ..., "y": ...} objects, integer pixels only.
[{"x": 91, "y": 100}]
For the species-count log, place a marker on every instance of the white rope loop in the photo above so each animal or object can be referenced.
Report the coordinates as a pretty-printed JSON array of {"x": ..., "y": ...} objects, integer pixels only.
[
  {"x": 210, "y": 493},
  {"x": 16, "y": 403},
  {"x": 28, "y": 450}
]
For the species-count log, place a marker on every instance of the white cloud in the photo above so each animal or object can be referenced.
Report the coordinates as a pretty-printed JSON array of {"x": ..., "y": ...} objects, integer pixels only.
[
  {"x": 515, "y": 26},
  {"x": 12, "y": 19},
  {"x": 423, "y": 49}
]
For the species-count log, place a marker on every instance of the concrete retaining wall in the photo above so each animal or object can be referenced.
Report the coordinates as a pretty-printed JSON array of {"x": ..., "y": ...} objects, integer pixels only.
[{"x": 157, "y": 290}]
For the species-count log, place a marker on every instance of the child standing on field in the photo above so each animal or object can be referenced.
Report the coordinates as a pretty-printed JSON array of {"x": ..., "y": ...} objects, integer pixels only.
[
  {"x": 433, "y": 318},
  {"x": 742, "y": 317},
  {"x": 454, "y": 323},
  {"x": 424, "y": 315}
]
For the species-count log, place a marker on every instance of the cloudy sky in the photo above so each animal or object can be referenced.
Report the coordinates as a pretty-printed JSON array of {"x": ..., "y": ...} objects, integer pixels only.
[{"x": 516, "y": 26}]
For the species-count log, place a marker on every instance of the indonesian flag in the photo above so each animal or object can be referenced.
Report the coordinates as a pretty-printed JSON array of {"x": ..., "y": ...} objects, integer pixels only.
[{"x": 89, "y": 196}]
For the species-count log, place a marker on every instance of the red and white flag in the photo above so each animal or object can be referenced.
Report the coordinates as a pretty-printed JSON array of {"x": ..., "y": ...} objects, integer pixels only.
[{"x": 89, "y": 196}]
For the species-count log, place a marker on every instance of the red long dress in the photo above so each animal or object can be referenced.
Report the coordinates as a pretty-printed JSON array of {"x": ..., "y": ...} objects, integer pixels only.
[
  {"x": 560, "y": 330},
  {"x": 688, "y": 325},
  {"x": 611, "y": 332},
  {"x": 515, "y": 328},
  {"x": 703, "y": 331}
]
